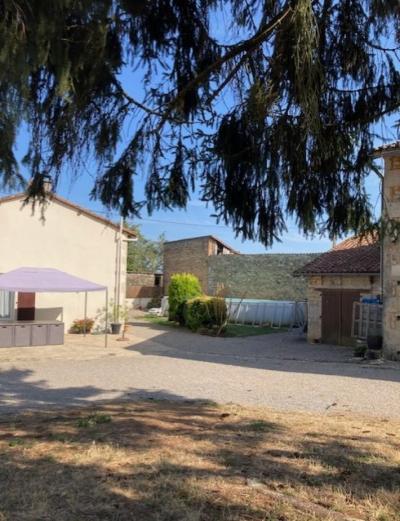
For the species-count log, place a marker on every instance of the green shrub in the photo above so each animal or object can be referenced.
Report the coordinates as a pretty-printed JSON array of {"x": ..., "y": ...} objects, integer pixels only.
[
  {"x": 204, "y": 312},
  {"x": 183, "y": 286},
  {"x": 196, "y": 313}
]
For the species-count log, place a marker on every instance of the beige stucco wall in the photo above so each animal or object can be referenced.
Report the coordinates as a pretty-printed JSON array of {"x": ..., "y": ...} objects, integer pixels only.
[
  {"x": 366, "y": 284},
  {"x": 391, "y": 260},
  {"x": 64, "y": 239}
]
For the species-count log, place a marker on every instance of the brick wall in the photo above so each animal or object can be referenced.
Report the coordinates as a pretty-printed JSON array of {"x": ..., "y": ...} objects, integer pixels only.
[
  {"x": 265, "y": 276},
  {"x": 186, "y": 256}
]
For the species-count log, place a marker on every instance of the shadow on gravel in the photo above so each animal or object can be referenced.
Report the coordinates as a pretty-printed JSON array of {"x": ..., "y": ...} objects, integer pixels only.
[
  {"x": 278, "y": 351},
  {"x": 19, "y": 393}
]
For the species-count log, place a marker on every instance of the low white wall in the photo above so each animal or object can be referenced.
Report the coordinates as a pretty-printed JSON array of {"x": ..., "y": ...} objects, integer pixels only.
[{"x": 137, "y": 303}]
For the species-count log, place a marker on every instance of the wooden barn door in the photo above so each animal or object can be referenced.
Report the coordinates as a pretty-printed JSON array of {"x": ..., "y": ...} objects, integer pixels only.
[
  {"x": 337, "y": 308},
  {"x": 26, "y": 306},
  {"x": 330, "y": 319}
]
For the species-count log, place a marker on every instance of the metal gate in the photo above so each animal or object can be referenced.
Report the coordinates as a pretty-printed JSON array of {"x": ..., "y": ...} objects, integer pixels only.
[{"x": 367, "y": 319}]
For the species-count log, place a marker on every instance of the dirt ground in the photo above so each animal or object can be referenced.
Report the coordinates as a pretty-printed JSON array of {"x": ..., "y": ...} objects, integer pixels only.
[{"x": 195, "y": 461}]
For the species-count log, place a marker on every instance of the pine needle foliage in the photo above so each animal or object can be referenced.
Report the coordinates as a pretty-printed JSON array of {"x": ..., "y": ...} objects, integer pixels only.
[{"x": 274, "y": 118}]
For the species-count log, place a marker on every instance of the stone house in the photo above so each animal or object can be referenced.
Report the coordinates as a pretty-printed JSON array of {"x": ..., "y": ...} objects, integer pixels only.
[
  {"x": 67, "y": 237},
  {"x": 336, "y": 279},
  {"x": 353, "y": 269},
  {"x": 191, "y": 256}
]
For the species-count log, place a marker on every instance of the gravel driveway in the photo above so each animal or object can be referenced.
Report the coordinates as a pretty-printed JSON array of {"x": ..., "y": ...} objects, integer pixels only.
[{"x": 278, "y": 370}]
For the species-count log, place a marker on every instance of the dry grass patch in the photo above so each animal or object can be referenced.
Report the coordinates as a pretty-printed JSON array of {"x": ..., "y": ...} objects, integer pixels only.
[{"x": 167, "y": 461}]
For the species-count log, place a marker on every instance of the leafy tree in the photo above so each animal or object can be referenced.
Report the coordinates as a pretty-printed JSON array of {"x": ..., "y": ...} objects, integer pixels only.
[
  {"x": 144, "y": 255},
  {"x": 274, "y": 118}
]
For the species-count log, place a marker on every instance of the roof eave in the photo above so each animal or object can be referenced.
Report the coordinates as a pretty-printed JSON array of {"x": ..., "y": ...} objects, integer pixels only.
[{"x": 73, "y": 206}]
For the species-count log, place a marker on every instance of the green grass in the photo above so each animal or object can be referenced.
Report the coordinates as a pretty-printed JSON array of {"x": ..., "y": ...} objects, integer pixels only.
[
  {"x": 161, "y": 321},
  {"x": 232, "y": 330},
  {"x": 237, "y": 330}
]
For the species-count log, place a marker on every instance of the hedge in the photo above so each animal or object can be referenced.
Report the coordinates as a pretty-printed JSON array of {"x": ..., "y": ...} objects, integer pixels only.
[
  {"x": 204, "y": 312},
  {"x": 183, "y": 287}
]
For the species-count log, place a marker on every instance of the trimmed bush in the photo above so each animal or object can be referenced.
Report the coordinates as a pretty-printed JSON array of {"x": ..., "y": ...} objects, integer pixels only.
[
  {"x": 204, "y": 312},
  {"x": 183, "y": 286},
  {"x": 196, "y": 313}
]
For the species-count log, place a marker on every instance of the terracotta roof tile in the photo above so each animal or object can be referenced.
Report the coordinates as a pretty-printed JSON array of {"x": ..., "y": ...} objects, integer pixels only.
[
  {"x": 353, "y": 255},
  {"x": 389, "y": 147}
]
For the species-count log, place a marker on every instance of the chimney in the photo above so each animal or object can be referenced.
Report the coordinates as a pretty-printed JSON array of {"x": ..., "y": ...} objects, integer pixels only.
[
  {"x": 47, "y": 184},
  {"x": 391, "y": 251}
]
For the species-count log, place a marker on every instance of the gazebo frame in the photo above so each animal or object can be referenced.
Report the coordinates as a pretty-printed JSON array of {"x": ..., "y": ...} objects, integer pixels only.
[{"x": 49, "y": 280}]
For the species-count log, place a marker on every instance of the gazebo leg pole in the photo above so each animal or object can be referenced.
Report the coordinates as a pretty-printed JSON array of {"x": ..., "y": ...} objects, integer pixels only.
[
  {"x": 84, "y": 322},
  {"x": 106, "y": 321}
]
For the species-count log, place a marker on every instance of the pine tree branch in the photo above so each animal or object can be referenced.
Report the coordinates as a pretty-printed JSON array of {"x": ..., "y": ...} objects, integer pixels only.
[
  {"x": 245, "y": 46},
  {"x": 134, "y": 101}
]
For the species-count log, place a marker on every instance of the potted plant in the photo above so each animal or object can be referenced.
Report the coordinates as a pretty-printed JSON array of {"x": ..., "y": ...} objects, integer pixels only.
[
  {"x": 119, "y": 316},
  {"x": 80, "y": 326}
]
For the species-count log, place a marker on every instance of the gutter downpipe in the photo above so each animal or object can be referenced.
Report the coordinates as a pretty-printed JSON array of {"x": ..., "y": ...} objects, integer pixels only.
[
  {"x": 382, "y": 178},
  {"x": 118, "y": 281},
  {"x": 382, "y": 233}
]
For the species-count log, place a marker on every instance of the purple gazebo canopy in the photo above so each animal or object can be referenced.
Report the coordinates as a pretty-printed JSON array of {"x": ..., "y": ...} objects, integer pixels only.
[{"x": 46, "y": 280}]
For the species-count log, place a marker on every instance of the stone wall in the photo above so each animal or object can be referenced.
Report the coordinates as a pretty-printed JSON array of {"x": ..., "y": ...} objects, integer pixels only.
[
  {"x": 143, "y": 285},
  {"x": 366, "y": 284},
  {"x": 142, "y": 279},
  {"x": 391, "y": 261},
  {"x": 264, "y": 276}
]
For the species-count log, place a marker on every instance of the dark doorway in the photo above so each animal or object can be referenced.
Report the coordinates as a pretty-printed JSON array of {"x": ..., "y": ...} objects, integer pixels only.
[
  {"x": 26, "y": 306},
  {"x": 337, "y": 309}
]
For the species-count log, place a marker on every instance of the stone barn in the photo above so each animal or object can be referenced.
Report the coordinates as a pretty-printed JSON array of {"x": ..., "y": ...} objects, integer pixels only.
[
  {"x": 191, "y": 256},
  {"x": 336, "y": 279}
]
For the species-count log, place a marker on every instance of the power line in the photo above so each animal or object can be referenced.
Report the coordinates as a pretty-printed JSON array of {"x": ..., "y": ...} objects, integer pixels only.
[
  {"x": 160, "y": 221},
  {"x": 203, "y": 225}
]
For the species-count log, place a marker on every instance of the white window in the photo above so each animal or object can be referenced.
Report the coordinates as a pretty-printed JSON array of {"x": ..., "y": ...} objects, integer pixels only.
[{"x": 6, "y": 304}]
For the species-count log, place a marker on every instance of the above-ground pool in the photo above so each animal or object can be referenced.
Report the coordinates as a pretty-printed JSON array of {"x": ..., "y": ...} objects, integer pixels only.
[{"x": 277, "y": 313}]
